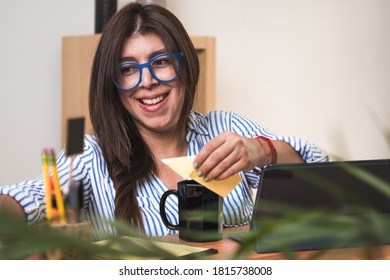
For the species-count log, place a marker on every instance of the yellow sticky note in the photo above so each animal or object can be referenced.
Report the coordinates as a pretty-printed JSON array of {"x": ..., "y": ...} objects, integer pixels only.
[
  {"x": 220, "y": 187},
  {"x": 183, "y": 166}
]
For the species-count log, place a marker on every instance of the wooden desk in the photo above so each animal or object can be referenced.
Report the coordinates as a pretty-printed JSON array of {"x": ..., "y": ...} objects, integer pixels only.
[{"x": 227, "y": 248}]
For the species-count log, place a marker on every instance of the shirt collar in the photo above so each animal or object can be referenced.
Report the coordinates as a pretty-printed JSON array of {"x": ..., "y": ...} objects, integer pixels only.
[{"x": 197, "y": 124}]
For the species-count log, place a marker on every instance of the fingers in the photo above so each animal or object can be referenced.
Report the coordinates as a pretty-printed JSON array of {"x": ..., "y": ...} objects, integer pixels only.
[
  {"x": 224, "y": 169},
  {"x": 224, "y": 156},
  {"x": 211, "y": 148},
  {"x": 219, "y": 162}
]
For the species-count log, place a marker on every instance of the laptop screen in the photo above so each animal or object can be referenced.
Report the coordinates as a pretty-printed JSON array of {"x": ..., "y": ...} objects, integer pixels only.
[{"x": 341, "y": 187}]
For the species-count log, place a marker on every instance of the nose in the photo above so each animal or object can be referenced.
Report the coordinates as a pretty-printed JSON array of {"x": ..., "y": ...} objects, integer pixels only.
[{"x": 147, "y": 80}]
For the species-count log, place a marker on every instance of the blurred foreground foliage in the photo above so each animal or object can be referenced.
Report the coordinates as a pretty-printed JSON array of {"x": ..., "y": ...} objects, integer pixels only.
[
  {"x": 368, "y": 228},
  {"x": 19, "y": 240}
]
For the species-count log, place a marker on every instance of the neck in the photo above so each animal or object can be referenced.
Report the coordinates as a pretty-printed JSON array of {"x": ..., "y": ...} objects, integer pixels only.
[{"x": 166, "y": 145}]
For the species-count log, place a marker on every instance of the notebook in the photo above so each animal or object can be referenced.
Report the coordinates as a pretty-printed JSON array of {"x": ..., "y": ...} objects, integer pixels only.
[{"x": 319, "y": 201}]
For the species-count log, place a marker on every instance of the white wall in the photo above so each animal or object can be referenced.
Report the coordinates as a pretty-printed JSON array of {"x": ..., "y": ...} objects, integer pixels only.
[
  {"x": 311, "y": 68},
  {"x": 30, "y": 78}
]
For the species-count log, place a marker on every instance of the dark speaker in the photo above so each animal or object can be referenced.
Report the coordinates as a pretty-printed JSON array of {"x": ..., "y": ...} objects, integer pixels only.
[{"x": 104, "y": 9}]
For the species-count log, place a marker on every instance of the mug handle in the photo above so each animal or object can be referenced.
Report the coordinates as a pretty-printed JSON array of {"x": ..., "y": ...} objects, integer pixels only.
[{"x": 162, "y": 209}]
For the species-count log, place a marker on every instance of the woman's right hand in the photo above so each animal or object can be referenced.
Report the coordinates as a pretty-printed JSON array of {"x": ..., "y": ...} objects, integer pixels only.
[{"x": 9, "y": 206}]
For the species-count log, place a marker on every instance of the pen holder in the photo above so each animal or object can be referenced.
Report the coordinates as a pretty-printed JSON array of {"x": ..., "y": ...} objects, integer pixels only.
[{"x": 69, "y": 235}]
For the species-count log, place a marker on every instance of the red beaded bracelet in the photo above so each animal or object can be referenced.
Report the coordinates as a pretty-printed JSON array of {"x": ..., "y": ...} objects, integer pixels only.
[{"x": 272, "y": 147}]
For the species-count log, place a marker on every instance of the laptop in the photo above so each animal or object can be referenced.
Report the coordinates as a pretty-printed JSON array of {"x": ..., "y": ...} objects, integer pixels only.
[{"x": 314, "y": 206}]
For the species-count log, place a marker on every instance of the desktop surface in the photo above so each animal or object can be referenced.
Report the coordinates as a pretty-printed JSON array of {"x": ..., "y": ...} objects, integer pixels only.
[{"x": 228, "y": 248}]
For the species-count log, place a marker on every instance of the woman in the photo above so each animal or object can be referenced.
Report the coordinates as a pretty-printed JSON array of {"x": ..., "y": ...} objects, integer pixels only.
[{"x": 142, "y": 91}]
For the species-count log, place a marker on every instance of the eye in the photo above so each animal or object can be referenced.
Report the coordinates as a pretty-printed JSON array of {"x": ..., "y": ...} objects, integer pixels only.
[
  {"x": 128, "y": 69},
  {"x": 161, "y": 62}
]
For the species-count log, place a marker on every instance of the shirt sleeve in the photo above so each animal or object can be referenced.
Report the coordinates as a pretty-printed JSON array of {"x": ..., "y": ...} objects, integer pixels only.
[{"x": 30, "y": 194}]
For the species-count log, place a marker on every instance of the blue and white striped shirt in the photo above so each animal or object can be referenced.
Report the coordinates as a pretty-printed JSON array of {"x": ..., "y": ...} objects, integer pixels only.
[{"x": 99, "y": 191}]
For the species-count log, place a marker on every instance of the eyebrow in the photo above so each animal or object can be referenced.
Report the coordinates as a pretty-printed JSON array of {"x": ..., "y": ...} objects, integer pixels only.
[{"x": 150, "y": 56}]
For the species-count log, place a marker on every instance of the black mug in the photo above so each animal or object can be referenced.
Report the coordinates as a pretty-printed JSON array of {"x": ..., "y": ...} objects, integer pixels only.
[{"x": 200, "y": 212}]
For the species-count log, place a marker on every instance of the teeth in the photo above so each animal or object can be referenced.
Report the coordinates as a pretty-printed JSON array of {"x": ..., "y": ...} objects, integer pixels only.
[{"x": 153, "y": 101}]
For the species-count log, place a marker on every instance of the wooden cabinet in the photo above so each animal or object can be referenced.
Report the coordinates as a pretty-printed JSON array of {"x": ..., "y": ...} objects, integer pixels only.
[{"x": 77, "y": 57}]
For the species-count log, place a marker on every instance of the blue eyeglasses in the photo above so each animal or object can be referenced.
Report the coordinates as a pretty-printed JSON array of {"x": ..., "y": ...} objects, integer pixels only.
[{"x": 162, "y": 67}]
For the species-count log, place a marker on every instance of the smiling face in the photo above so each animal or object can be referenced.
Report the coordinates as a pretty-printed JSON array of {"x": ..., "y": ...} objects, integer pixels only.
[{"x": 155, "y": 106}]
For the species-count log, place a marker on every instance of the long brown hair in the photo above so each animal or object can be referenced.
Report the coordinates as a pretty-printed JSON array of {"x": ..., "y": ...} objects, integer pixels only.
[{"x": 129, "y": 159}]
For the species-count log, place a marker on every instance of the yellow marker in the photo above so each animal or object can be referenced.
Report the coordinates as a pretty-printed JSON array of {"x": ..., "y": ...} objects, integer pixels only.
[
  {"x": 57, "y": 188},
  {"x": 45, "y": 170}
]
